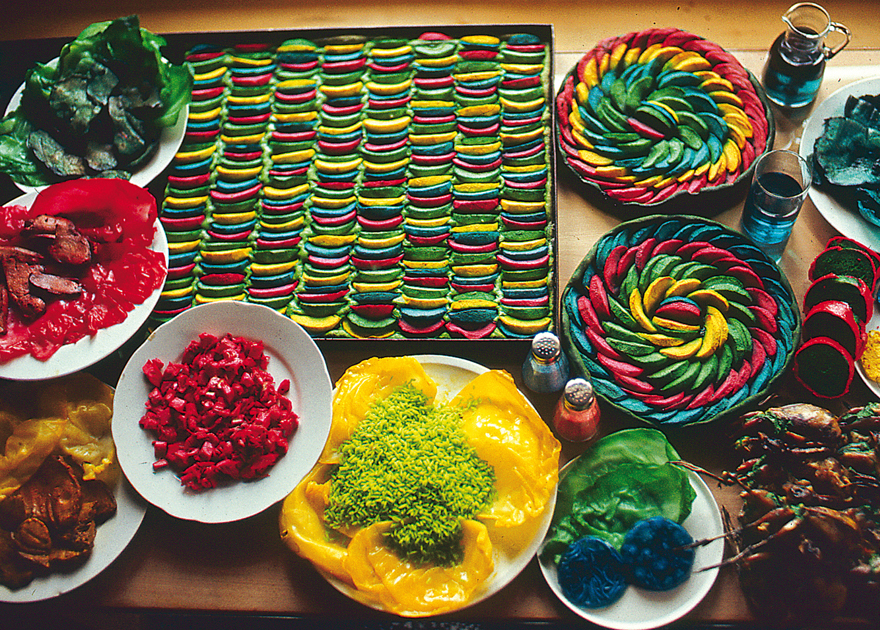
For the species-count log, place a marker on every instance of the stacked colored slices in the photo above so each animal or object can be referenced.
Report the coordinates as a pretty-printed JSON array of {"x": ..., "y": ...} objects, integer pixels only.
[
  {"x": 837, "y": 306},
  {"x": 679, "y": 320},
  {"x": 369, "y": 187},
  {"x": 658, "y": 113}
]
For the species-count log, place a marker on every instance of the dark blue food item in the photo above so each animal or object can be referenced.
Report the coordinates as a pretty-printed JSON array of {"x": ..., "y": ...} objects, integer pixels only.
[
  {"x": 653, "y": 556},
  {"x": 591, "y": 573}
]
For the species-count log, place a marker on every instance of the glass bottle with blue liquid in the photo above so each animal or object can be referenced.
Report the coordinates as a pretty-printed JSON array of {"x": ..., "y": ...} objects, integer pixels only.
[{"x": 796, "y": 62}]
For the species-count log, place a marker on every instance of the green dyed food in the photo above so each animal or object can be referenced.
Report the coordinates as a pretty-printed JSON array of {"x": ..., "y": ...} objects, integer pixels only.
[
  {"x": 625, "y": 477},
  {"x": 409, "y": 462}
]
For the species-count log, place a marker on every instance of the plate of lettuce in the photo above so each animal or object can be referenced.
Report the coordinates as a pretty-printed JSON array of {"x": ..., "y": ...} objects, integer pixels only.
[{"x": 110, "y": 105}]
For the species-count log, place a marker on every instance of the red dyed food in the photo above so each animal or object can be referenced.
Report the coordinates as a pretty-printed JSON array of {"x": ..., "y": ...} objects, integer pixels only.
[
  {"x": 217, "y": 415},
  {"x": 118, "y": 220}
]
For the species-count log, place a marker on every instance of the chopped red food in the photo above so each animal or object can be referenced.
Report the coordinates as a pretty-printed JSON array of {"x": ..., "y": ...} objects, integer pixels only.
[{"x": 217, "y": 415}]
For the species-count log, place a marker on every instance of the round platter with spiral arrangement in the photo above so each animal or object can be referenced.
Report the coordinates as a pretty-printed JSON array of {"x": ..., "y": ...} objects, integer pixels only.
[
  {"x": 679, "y": 320},
  {"x": 661, "y": 114}
]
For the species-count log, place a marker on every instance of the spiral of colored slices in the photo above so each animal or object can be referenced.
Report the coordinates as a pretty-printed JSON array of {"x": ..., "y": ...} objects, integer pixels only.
[
  {"x": 655, "y": 113},
  {"x": 679, "y": 320}
]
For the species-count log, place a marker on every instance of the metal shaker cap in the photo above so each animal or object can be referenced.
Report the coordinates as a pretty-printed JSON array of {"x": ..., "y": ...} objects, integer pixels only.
[
  {"x": 578, "y": 393},
  {"x": 546, "y": 346}
]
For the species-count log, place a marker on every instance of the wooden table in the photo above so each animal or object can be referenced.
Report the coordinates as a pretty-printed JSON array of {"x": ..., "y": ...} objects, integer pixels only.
[{"x": 243, "y": 567}]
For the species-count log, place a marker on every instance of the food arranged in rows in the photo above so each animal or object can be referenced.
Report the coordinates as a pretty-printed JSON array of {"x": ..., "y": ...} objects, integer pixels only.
[
  {"x": 837, "y": 307},
  {"x": 369, "y": 186}
]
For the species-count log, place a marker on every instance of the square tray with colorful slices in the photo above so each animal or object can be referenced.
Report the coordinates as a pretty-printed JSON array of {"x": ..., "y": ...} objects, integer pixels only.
[{"x": 369, "y": 183}]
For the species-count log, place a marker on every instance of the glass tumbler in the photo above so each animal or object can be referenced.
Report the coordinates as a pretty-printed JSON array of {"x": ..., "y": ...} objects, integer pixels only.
[{"x": 780, "y": 184}]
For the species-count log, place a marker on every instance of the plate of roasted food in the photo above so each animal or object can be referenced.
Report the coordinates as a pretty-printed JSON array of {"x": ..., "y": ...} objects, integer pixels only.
[
  {"x": 839, "y": 140},
  {"x": 636, "y": 537},
  {"x": 661, "y": 114},
  {"x": 222, "y": 411},
  {"x": 809, "y": 481},
  {"x": 437, "y": 484},
  {"x": 679, "y": 320},
  {"x": 66, "y": 512},
  {"x": 110, "y": 105},
  {"x": 84, "y": 262}
]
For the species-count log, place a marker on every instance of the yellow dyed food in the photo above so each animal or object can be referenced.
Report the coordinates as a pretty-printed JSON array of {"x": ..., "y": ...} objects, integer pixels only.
[
  {"x": 69, "y": 416},
  {"x": 871, "y": 356},
  {"x": 502, "y": 438}
]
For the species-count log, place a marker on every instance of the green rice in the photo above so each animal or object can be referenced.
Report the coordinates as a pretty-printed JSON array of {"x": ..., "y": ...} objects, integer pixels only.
[{"x": 410, "y": 463}]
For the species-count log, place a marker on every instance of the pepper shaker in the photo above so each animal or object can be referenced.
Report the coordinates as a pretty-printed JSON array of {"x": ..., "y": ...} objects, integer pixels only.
[
  {"x": 546, "y": 367},
  {"x": 576, "y": 417}
]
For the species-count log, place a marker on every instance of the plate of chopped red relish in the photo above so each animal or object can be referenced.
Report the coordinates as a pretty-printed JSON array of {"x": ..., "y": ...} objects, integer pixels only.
[
  {"x": 222, "y": 411},
  {"x": 84, "y": 264}
]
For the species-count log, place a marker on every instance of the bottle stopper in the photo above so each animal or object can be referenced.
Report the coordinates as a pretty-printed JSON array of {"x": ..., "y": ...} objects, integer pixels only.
[
  {"x": 546, "y": 346},
  {"x": 578, "y": 393}
]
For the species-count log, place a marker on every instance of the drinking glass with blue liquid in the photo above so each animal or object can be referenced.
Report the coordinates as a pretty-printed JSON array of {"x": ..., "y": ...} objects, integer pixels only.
[{"x": 780, "y": 184}]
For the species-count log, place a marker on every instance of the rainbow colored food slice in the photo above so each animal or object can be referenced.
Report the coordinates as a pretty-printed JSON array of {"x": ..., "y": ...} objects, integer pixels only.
[
  {"x": 660, "y": 112},
  {"x": 679, "y": 320}
]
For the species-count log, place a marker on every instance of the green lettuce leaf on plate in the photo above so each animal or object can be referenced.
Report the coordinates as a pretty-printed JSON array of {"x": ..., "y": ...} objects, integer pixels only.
[
  {"x": 625, "y": 477},
  {"x": 97, "y": 110}
]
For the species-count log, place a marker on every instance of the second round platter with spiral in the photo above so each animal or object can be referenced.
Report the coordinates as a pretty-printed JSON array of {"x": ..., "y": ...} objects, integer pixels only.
[
  {"x": 679, "y": 320},
  {"x": 661, "y": 114}
]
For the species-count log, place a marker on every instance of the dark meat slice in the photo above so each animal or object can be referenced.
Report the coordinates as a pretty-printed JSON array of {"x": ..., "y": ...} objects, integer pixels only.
[
  {"x": 98, "y": 502},
  {"x": 53, "y": 495},
  {"x": 20, "y": 253},
  {"x": 4, "y": 309},
  {"x": 18, "y": 283},
  {"x": 56, "y": 285},
  {"x": 33, "y": 541},
  {"x": 80, "y": 538},
  {"x": 45, "y": 225},
  {"x": 15, "y": 571},
  {"x": 66, "y": 244},
  {"x": 70, "y": 247}
]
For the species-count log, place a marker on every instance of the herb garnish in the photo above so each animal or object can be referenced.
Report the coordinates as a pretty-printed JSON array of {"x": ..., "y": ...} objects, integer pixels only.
[{"x": 410, "y": 463}]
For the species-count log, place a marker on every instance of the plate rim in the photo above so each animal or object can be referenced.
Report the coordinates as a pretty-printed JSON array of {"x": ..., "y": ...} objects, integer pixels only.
[
  {"x": 847, "y": 222},
  {"x": 164, "y": 490},
  {"x": 691, "y": 601},
  {"x": 73, "y": 357},
  {"x": 522, "y": 559}
]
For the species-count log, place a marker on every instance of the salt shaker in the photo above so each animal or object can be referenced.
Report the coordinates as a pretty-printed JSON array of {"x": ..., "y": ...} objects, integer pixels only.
[
  {"x": 546, "y": 367},
  {"x": 576, "y": 417}
]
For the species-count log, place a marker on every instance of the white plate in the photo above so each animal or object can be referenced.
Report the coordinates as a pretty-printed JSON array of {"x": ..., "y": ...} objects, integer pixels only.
[
  {"x": 88, "y": 350},
  {"x": 874, "y": 386},
  {"x": 848, "y": 222},
  {"x": 170, "y": 140},
  {"x": 292, "y": 355},
  {"x": 451, "y": 375},
  {"x": 111, "y": 538},
  {"x": 640, "y": 609}
]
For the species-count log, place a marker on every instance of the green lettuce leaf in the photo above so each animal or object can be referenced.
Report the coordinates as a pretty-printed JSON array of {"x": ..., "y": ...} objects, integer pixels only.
[{"x": 626, "y": 477}]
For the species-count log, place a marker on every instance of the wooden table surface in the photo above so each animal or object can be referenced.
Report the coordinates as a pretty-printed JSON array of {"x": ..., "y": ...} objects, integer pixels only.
[{"x": 243, "y": 567}]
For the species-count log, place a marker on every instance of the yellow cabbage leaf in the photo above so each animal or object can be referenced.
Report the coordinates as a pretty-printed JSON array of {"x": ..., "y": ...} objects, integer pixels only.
[
  {"x": 508, "y": 433},
  {"x": 410, "y": 590}
]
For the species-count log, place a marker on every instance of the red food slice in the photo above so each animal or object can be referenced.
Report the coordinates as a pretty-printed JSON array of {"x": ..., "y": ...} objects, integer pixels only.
[
  {"x": 599, "y": 297},
  {"x": 836, "y": 320},
  {"x": 824, "y": 367},
  {"x": 847, "y": 289}
]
